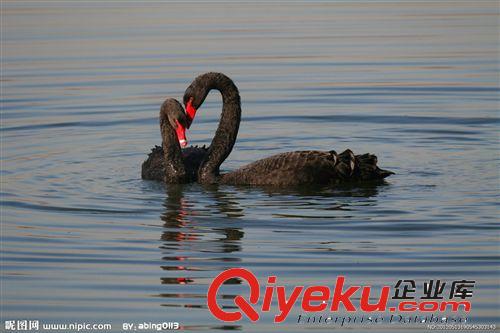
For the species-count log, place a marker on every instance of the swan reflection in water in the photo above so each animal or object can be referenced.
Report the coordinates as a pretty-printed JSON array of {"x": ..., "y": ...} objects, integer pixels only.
[
  {"x": 184, "y": 234},
  {"x": 179, "y": 216},
  {"x": 204, "y": 229}
]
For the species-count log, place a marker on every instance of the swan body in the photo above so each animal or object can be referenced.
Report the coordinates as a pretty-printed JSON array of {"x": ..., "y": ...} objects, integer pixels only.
[
  {"x": 170, "y": 163},
  {"x": 307, "y": 167},
  {"x": 153, "y": 168}
]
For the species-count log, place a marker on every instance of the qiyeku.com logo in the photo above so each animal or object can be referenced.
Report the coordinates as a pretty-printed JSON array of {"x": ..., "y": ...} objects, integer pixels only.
[{"x": 320, "y": 298}]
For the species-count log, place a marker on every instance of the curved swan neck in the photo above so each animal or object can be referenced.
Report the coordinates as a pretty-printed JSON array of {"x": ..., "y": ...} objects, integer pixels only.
[
  {"x": 227, "y": 131},
  {"x": 174, "y": 165}
]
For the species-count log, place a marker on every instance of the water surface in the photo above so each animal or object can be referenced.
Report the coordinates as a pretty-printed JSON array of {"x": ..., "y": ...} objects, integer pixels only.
[{"x": 85, "y": 239}]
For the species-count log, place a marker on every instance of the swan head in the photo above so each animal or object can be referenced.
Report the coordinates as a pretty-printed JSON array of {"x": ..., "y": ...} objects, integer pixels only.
[
  {"x": 177, "y": 119},
  {"x": 198, "y": 89},
  {"x": 192, "y": 103},
  {"x": 190, "y": 111},
  {"x": 195, "y": 94}
]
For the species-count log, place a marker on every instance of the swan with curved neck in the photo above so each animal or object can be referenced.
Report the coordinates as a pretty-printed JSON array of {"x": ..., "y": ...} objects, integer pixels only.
[
  {"x": 229, "y": 124},
  {"x": 292, "y": 168},
  {"x": 171, "y": 163}
]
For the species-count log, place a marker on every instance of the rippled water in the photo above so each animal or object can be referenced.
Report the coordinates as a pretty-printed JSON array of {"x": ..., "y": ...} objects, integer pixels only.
[{"x": 85, "y": 239}]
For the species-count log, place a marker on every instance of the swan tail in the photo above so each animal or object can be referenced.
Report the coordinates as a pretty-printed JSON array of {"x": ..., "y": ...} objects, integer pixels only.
[
  {"x": 367, "y": 168},
  {"x": 358, "y": 167},
  {"x": 384, "y": 173},
  {"x": 345, "y": 164}
]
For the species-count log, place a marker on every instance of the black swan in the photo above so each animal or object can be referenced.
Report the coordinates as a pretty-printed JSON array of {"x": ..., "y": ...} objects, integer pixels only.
[
  {"x": 170, "y": 163},
  {"x": 286, "y": 169}
]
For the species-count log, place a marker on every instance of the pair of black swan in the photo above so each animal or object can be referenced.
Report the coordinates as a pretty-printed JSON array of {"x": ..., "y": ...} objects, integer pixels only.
[{"x": 173, "y": 164}]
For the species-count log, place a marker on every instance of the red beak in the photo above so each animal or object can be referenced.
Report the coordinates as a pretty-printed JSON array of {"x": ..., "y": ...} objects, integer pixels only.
[
  {"x": 181, "y": 134},
  {"x": 190, "y": 111}
]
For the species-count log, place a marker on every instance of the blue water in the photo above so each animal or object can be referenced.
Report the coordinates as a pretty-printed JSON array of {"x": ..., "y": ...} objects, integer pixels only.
[{"x": 84, "y": 239}]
